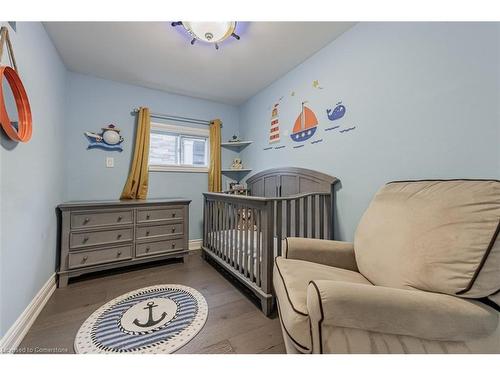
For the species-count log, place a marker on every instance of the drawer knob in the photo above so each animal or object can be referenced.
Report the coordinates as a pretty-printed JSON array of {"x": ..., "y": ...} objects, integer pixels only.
[
  {"x": 86, "y": 220},
  {"x": 118, "y": 253},
  {"x": 119, "y": 218},
  {"x": 147, "y": 233},
  {"x": 85, "y": 239},
  {"x": 147, "y": 249},
  {"x": 173, "y": 245},
  {"x": 173, "y": 214},
  {"x": 119, "y": 236},
  {"x": 147, "y": 217},
  {"x": 173, "y": 230},
  {"x": 84, "y": 259}
]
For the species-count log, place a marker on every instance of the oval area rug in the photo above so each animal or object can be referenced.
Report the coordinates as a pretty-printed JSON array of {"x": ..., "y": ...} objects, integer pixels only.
[{"x": 155, "y": 319}]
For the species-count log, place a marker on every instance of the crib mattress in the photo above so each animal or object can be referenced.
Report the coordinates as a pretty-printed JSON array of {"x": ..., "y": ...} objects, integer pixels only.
[{"x": 218, "y": 240}]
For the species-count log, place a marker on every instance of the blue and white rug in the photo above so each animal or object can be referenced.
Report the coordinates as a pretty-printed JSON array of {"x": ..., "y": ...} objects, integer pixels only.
[{"x": 156, "y": 319}]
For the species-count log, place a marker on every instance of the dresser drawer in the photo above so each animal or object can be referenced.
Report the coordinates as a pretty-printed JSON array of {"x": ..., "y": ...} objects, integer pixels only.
[
  {"x": 97, "y": 219},
  {"x": 99, "y": 256},
  {"x": 158, "y": 214},
  {"x": 100, "y": 237},
  {"x": 159, "y": 230},
  {"x": 158, "y": 247}
]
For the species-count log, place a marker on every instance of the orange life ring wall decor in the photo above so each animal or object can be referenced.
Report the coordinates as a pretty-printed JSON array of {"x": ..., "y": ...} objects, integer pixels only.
[{"x": 24, "y": 130}]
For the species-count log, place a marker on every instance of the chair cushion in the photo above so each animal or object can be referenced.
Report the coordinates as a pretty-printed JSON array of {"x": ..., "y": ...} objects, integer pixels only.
[
  {"x": 438, "y": 236},
  {"x": 291, "y": 278}
]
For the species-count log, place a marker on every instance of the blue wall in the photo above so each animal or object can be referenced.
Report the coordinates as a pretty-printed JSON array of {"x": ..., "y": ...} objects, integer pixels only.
[
  {"x": 32, "y": 180},
  {"x": 55, "y": 165},
  {"x": 422, "y": 96},
  {"x": 93, "y": 103}
]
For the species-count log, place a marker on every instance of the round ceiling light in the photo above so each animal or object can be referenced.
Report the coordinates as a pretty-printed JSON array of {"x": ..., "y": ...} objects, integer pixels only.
[{"x": 209, "y": 32}]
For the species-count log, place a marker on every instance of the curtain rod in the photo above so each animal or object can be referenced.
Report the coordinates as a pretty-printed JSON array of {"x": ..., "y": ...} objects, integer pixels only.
[{"x": 175, "y": 118}]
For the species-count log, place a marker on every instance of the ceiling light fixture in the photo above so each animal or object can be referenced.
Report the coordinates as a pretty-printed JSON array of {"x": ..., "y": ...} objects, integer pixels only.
[{"x": 209, "y": 32}]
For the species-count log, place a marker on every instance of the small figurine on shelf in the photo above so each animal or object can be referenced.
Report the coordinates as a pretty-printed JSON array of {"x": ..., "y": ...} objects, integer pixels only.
[
  {"x": 235, "y": 138},
  {"x": 237, "y": 164}
]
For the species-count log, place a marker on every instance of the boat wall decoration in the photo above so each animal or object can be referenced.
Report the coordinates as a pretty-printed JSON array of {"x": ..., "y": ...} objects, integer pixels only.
[
  {"x": 305, "y": 125},
  {"x": 108, "y": 139}
]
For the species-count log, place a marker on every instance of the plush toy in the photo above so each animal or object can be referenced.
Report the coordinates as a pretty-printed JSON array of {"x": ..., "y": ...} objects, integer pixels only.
[{"x": 246, "y": 220}]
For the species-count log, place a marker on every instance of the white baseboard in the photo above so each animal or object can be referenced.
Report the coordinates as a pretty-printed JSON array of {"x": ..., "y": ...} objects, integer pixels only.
[
  {"x": 19, "y": 329},
  {"x": 195, "y": 244}
]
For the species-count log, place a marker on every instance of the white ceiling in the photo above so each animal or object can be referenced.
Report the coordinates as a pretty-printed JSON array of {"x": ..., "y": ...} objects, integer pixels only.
[{"x": 156, "y": 55}]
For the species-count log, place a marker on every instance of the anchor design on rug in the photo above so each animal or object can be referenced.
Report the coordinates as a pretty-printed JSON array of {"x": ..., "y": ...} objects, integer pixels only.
[{"x": 151, "y": 322}]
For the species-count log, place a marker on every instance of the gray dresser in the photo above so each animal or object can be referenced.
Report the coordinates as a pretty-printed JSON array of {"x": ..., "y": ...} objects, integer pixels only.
[{"x": 100, "y": 235}]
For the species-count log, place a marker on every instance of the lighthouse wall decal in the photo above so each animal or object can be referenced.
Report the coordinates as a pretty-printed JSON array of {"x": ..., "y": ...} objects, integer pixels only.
[
  {"x": 305, "y": 125},
  {"x": 274, "y": 133}
]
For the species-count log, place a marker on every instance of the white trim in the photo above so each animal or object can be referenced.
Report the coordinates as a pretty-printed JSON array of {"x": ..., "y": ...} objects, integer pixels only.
[
  {"x": 177, "y": 168},
  {"x": 179, "y": 129},
  {"x": 195, "y": 244},
  {"x": 11, "y": 340}
]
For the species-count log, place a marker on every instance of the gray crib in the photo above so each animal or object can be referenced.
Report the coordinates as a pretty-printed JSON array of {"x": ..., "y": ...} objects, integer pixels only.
[{"x": 243, "y": 234}]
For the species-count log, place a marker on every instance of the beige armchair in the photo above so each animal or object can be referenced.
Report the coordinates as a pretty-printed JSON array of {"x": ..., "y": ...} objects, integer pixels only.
[{"x": 422, "y": 276}]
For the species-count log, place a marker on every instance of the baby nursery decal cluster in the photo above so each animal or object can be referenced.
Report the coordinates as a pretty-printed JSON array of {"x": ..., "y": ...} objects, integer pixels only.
[{"x": 312, "y": 125}]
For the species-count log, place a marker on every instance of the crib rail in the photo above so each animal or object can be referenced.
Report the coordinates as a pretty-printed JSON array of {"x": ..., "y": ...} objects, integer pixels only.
[
  {"x": 304, "y": 215},
  {"x": 244, "y": 233}
]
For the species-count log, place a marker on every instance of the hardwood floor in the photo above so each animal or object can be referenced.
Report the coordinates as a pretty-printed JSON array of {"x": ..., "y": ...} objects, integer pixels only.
[{"x": 235, "y": 324}]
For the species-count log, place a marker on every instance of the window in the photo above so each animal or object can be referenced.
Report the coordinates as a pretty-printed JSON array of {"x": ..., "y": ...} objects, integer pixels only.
[{"x": 178, "y": 148}]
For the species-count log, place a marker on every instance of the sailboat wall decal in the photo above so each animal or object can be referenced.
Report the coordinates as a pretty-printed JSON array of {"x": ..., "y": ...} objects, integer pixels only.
[{"x": 305, "y": 125}]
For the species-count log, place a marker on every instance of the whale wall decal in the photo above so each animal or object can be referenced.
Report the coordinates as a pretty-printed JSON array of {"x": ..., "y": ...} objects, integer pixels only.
[{"x": 338, "y": 112}]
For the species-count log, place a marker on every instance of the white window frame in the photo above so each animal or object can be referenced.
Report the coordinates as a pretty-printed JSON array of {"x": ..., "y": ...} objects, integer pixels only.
[{"x": 181, "y": 130}]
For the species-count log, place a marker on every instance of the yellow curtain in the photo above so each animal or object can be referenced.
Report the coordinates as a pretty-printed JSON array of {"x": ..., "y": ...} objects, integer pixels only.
[
  {"x": 136, "y": 186},
  {"x": 214, "y": 170}
]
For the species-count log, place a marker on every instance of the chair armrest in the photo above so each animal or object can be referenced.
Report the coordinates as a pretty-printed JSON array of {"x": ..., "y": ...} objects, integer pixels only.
[
  {"x": 331, "y": 253},
  {"x": 419, "y": 314}
]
